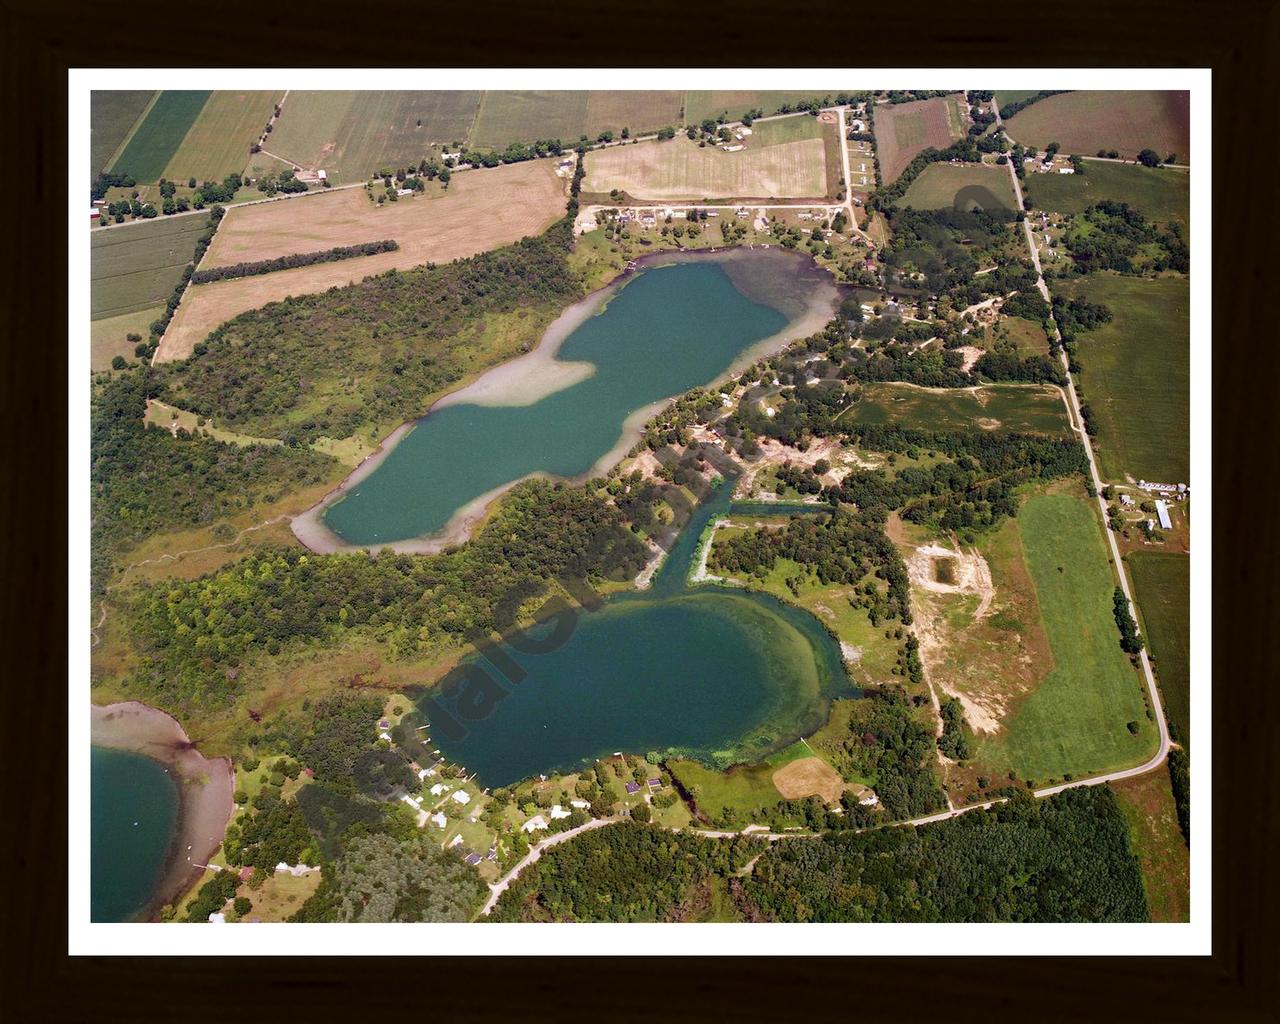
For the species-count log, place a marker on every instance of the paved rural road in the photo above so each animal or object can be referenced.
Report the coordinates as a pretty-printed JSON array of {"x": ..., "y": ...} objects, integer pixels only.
[
  {"x": 1153, "y": 691},
  {"x": 499, "y": 887}
]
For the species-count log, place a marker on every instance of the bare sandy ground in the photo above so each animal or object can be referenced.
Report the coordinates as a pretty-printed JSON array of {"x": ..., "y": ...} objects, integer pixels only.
[
  {"x": 535, "y": 375},
  {"x": 481, "y": 210},
  {"x": 204, "y": 791}
]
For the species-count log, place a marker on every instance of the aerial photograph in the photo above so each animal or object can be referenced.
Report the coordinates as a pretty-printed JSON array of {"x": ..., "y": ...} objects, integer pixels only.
[{"x": 612, "y": 506}]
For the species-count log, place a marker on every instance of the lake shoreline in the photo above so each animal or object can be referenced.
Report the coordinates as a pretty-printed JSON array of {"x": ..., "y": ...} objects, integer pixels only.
[
  {"x": 532, "y": 376},
  {"x": 205, "y": 789}
]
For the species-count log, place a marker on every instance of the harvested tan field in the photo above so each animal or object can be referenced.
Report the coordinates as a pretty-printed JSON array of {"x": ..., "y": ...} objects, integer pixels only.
[
  {"x": 905, "y": 129},
  {"x": 809, "y": 776},
  {"x": 481, "y": 210}
]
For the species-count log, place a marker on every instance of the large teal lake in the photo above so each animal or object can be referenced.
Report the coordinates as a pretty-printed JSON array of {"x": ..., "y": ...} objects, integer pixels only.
[
  {"x": 670, "y": 328},
  {"x": 706, "y": 671},
  {"x": 134, "y": 815}
]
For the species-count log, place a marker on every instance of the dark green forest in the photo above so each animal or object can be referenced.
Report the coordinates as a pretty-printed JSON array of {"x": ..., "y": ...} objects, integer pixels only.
[{"x": 1065, "y": 858}]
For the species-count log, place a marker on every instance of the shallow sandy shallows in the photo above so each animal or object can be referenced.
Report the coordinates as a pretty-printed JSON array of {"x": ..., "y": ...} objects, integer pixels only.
[
  {"x": 481, "y": 210},
  {"x": 205, "y": 785}
]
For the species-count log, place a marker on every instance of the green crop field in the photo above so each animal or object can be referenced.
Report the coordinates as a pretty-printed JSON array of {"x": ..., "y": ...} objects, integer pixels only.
[
  {"x": 1086, "y": 121},
  {"x": 352, "y": 134},
  {"x": 506, "y": 117},
  {"x": 964, "y": 186},
  {"x": 161, "y": 132},
  {"x": 1162, "y": 589},
  {"x": 1163, "y": 196},
  {"x": 699, "y": 105},
  {"x": 218, "y": 142},
  {"x": 1137, "y": 375},
  {"x": 112, "y": 115},
  {"x": 1032, "y": 409},
  {"x": 138, "y": 265},
  {"x": 1075, "y": 721}
]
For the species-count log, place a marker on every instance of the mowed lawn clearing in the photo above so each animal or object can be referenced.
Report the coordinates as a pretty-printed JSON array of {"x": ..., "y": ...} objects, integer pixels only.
[
  {"x": 962, "y": 186},
  {"x": 217, "y": 144},
  {"x": 136, "y": 266},
  {"x": 744, "y": 789},
  {"x": 481, "y": 210},
  {"x": 1149, "y": 811},
  {"x": 112, "y": 115},
  {"x": 1137, "y": 375},
  {"x": 352, "y": 134},
  {"x": 1163, "y": 196},
  {"x": 1162, "y": 590},
  {"x": 904, "y": 129},
  {"x": 679, "y": 169},
  {"x": 1025, "y": 408},
  {"x": 1075, "y": 721},
  {"x": 1127, "y": 121},
  {"x": 161, "y": 132}
]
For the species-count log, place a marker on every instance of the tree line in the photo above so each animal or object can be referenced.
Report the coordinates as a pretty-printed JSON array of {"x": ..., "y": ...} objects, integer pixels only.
[{"x": 303, "y": 259}]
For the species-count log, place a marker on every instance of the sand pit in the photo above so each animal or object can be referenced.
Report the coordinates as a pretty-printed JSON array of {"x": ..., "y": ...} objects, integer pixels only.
[
  {"x": 809, "y": 776},
  {"x": 944, "y": 571},
  {"x": 204, "y": 793}
]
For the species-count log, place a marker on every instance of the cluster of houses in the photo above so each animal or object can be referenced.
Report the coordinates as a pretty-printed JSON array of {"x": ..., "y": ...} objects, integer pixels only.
[{"x": 1034, "y": 163}]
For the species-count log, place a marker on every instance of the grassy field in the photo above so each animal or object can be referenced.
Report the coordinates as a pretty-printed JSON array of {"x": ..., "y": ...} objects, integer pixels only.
[
  {"x": 1162, "y": 590},
  {"x": 161, "y": 132},
  {"x": 1005, "y": 97},
  {"x": 742, "y": 789},
  {"x": 786, "y": 161},
  {"x": 699, "y": 105},
  {"x": 1036, "y": 409},
  {"x": 1147, "y": 803},
  {"x": 112, "y": 115},
  {"x": 352, "y": 134},
  {"x": 480, "y": 210},
  {"x": 137, "y": 266},
  {"x": 905, "y": 129},
  {"x": 1086, "y": 121},
  {"x": 1164, "y": 196},
  {"x": 1075, "y": 720},
  {"x": 1028, "y": 336},
  {"x": 1137, "y": 375},
  {"x": 107, "y": 335},
  {"x": 217, "y": 144},
  {"x": 961, "y": 185}
]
